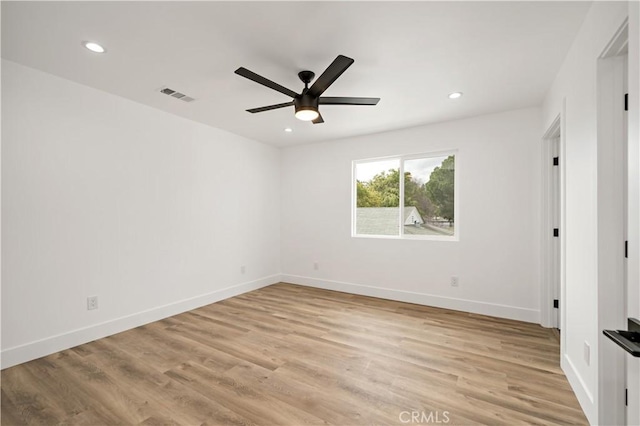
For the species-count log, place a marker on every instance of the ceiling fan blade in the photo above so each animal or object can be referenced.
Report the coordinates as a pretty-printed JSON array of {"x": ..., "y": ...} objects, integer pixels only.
[
  {"x": 270, "y": 107},
  {"x": 335, "y": 70},
  {"x": 327, "y": 100},
  {"x": 265, "y": 82},
  {"x": 318, "y": 120}
]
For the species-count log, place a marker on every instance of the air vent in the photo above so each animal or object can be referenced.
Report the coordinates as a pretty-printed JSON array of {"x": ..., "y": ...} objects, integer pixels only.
[{"x": 177, "y": 95}]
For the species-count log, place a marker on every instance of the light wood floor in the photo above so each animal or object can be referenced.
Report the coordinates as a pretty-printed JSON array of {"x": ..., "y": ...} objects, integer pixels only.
[{"x": 292, "y": 355}]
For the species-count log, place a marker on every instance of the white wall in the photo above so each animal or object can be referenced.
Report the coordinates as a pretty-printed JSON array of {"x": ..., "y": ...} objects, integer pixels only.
[
  {"x": 497, "y": 257},
  {"x": 575, "y": 87},
  {"x": 102, "y": 196}
]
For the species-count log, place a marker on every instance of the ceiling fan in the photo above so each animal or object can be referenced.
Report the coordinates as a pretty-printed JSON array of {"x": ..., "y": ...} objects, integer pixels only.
[{"x": 306, "y": 103}]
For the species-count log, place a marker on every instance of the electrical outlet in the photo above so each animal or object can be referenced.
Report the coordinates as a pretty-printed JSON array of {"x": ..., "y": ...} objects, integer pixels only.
[
  {"x": 92, "y": 303},
  {"x": 243, "y": 269},
  {"x": 454, "y": 281},
  {"x": 587, "y": 353},
  {"x": 316, "y": 266}
]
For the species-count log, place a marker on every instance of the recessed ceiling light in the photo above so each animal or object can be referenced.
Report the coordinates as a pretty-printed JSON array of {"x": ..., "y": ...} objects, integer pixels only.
[
  {"x": 288, "y": 130},
  {"x": 455, "y": 95},
  {"x": 94, "y": 47}
]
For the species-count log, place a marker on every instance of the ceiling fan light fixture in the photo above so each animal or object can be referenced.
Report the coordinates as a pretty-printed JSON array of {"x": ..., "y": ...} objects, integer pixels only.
[
  {"x": 306, "y": 107},
  {"x": 307, "y": 113}
]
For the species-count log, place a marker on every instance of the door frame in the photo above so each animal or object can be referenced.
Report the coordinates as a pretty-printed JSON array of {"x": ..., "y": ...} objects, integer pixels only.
[
  {"x": 611, "y": 226},
  {"x": 633, "y": 226}
]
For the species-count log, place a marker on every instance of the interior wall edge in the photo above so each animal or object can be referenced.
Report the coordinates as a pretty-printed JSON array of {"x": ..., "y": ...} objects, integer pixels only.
[
  {"x": 37, "y": 349},
  {"x": 578, "y": 385},
  {"x": 471, "y": 306}
]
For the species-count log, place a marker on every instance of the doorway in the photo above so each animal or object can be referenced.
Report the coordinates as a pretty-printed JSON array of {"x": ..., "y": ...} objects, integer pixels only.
[
  {"x": 552, "y": 230},
  {"x": 555, "y": 224}
]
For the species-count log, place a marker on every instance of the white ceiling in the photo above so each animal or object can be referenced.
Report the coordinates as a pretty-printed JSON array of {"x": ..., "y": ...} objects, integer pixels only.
[{"x": 502, "y": 55}]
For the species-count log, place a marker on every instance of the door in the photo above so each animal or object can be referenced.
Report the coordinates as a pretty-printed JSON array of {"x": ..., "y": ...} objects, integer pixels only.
[
  {"x": 551, "y": 226},
  {"x": 555, "y": 223}
]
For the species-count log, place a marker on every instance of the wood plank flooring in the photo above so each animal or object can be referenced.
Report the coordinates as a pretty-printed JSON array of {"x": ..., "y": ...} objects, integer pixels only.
[{"x": 291, "y": 355}]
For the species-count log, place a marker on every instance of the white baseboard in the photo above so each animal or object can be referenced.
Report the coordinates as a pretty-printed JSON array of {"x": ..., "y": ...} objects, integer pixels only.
[
  {"x": 50, "y": 345},
  {"x": 491, "y": 309},
  {"x": 585, "y": 398},
  {"x": 53, "y": 344}
]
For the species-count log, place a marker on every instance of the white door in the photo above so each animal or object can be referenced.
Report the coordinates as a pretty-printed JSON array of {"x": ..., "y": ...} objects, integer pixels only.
[{"x": 555, "y": 221}]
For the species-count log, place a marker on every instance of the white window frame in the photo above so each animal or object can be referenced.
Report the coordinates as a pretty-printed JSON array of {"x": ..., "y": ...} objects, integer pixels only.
[{"x": 401, "y": 235}]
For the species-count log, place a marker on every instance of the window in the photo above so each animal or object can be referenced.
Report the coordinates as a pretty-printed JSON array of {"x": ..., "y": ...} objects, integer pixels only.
[{"x": 420, "y": 206}]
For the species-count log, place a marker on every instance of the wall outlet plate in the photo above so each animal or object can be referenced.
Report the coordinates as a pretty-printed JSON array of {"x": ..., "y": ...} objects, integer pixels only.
[
  {"x": 454, "y": 282},
  {"x": 92, "y": 303}
]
